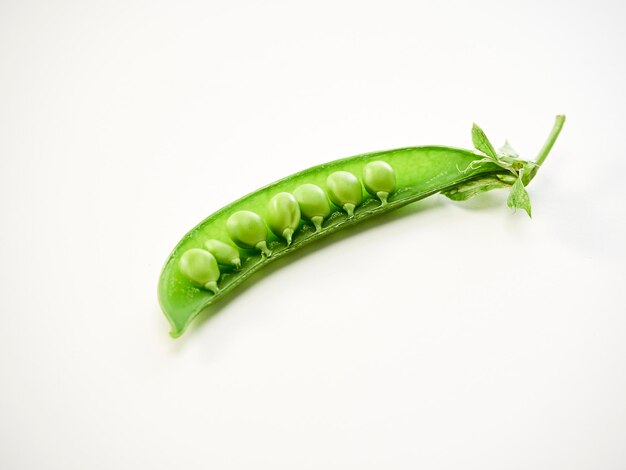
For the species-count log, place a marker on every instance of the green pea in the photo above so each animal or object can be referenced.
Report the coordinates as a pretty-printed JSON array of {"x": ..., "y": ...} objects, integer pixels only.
[
  {"x": 201, "y": 267},
  {"x": 379, "y": 180},
  {"x": 283, "y": 215},
  {"x": 313, "y": 203},
  {"x": 248, "y": 230},
  {"x": 224, "y": 253},
  {"x": 455, "y": 173},
  {"x": 345, "y": 190}
]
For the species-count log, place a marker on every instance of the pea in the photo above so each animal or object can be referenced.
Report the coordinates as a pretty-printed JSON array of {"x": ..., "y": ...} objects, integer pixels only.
[
  {"x": 379, "y": 180},
  {"x": 283, "y": 215},
  {"x": 248, "y": 230},
  {"x": 344, "y": 190},
  {"x": 409, "y": 174},
  {"x": 201, "y": 267},
  {"x": 223, "y": 253},
  {"x": 313, "y": 203}
]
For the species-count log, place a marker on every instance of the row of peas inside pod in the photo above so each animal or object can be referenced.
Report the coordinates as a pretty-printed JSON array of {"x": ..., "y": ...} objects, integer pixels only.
[{"x": 248, "y": 230}]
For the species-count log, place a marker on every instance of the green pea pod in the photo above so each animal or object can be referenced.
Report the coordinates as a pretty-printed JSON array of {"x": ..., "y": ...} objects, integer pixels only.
[{"x": 393, "y": 178}]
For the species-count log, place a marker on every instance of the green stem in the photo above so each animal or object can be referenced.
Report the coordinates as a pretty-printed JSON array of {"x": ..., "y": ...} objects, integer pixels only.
[{"x": 545, "y": 150}]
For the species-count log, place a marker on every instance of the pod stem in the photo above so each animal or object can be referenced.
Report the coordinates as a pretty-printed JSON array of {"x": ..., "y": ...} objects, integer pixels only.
[
  {"x": 382, "y": 195},
  {"x": 349, "y": 208},
  {"x": 262, "y": 247},
  {"x": 212, "y": 286},
  {"x": 317, "y": 221},
  {"x": 547, "y": 146},
  {"x": 287, "y": 234}
]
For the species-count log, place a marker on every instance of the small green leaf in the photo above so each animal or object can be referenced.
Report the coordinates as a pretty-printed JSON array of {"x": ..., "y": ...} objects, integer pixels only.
[
  {"x": 481, "y": 142},
  {"x": 470, "y": 189},
  {"x": 507, "y": 150},
  {"x": 518, "y": 198}
]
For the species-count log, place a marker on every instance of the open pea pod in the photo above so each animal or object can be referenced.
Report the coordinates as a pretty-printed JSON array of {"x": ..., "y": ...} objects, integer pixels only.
[{"x": 238, "y": 240}]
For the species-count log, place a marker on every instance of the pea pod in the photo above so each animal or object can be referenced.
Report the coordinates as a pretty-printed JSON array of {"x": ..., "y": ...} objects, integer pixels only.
[{"x": 191, "y": 281}]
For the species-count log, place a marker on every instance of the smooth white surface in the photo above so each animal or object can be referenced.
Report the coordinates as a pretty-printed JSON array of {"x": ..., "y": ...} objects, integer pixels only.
[{"x": 445, "y": 336}]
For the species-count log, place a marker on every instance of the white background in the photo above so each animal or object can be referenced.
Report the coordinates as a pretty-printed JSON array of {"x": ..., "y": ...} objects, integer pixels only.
[{"x": 444, "y": 336}]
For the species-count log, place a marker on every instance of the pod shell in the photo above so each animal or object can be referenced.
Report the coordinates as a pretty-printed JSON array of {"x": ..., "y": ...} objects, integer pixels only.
[{"x": 420, "y": 172}]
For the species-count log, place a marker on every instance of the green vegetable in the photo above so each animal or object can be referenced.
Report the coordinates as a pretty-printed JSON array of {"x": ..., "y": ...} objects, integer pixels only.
[
  {"x": 200, "y": 267},
  {"x": 313, "y": 203},
  {"x": 379, "y": 180},
  {"x": 345, "y": 190},
  {"x": 191, "y": 279},
  {"x": 248, "y": 230},
  {"x": 224, "y": 254},
  {"x": 283, "y": 215}
]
